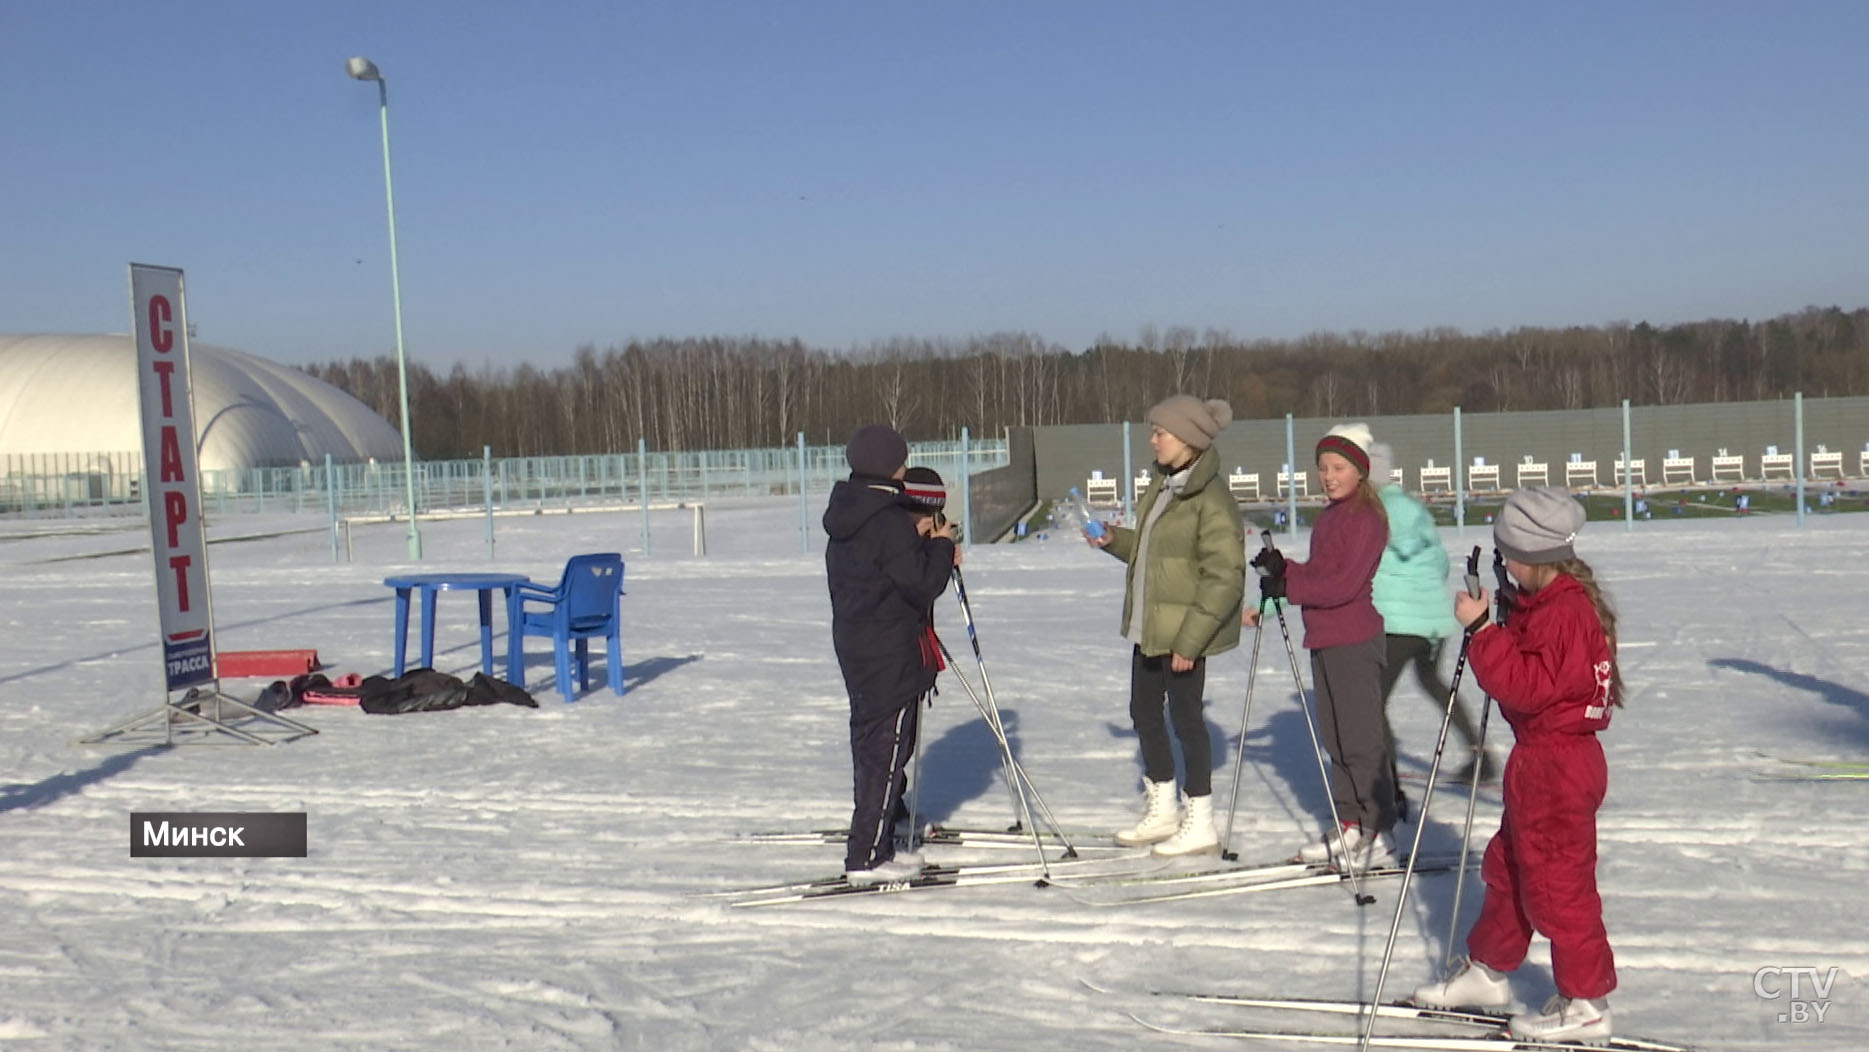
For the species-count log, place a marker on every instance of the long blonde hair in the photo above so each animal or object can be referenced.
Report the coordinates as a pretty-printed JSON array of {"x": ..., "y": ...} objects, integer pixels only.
[
  {"x": 1580, "y": 571},
  {"x": 1367, "y": 496}
]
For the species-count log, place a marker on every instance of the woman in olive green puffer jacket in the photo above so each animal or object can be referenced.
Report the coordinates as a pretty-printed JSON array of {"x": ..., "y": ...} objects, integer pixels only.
[{"x": 1186, "y": 579}]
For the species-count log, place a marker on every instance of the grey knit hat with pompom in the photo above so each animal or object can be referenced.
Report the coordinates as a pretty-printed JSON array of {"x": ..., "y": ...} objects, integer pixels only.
[{"x": 1192, "y": 420}]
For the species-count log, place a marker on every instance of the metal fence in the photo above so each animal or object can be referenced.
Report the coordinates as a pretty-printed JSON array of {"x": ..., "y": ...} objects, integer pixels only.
[
  {"x": 1732, "y": 443},
  {"x": 111, "y": 484},
  {"x": 1788, "y": 441}
]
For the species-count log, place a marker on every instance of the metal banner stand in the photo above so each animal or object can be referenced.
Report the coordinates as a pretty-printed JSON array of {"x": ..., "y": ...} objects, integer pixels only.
[
  {"x": 203, "y": 717},
  {"x": 172, "y": 483}
]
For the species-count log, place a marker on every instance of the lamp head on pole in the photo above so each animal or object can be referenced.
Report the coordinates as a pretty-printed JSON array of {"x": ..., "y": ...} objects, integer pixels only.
[{"x": 362, "y": 69}]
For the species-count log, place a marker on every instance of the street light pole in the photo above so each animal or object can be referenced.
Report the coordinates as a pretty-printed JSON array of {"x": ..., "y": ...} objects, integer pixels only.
[{"x": 363, "y": 69}]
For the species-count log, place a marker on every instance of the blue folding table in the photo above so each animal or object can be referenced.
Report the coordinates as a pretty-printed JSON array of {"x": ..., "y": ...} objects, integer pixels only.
[{"x": 429, "y": 584}]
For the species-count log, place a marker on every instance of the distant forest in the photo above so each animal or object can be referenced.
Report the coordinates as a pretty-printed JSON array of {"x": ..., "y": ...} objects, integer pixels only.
[{"x": 730, "y": 393}]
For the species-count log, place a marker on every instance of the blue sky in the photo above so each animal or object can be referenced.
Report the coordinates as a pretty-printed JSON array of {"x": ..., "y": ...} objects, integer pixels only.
[{"x": 573, "y": 173}]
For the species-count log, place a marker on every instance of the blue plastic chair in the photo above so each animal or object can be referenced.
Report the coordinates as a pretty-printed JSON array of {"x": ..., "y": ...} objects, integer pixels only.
[{"x": 586, "y": 604}]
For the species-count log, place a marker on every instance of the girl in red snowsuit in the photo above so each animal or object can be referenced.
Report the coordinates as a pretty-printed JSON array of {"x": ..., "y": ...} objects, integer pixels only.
[{"x": 1552, "y": 668}]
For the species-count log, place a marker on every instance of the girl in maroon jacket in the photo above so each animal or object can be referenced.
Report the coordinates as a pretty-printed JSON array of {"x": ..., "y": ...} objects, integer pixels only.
[
  {"x": 1343, "y": 632},
  {"x": 1552, "y": 669}
]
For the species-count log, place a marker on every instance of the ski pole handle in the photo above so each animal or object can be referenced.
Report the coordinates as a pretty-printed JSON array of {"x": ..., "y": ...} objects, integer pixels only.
[
  {"x": 1270, "y": 562},
  {"x": 1502, "y": 597},
  {"x": 1473, "y": 572}
]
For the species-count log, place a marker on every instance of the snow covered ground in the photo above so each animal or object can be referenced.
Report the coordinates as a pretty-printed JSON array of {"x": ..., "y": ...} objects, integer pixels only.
[{"x": 526, "y": 879}]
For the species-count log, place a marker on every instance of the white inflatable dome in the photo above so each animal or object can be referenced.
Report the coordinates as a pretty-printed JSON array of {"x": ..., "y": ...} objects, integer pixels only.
[{"x": 77, "y": 394}]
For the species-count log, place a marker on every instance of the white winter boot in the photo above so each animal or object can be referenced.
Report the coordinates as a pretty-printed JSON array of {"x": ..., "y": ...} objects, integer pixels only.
[
  {"x": 1352, "y": 849},
  {"x": 893, "y": 871},
  {"x": 1565, "y": 1019},
  {"x": 1160, "y": 821},
  {"x": 1196, "y": 834},
  {"x": 1474, "y": 985}
]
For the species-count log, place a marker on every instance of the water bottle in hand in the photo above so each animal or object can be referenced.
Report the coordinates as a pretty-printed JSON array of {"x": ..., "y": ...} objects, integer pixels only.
[{"x": 1077, "y": 513}]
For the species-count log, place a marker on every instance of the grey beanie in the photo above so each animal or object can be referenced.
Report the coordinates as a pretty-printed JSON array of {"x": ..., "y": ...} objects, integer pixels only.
[
  {"x": 876, "y": 450},
  {"x": 1538, "y": 525},
  {"x": 1192, "y": 420}
]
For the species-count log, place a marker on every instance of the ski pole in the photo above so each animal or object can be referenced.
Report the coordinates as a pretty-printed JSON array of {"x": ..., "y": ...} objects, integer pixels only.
[
  {"x": 991, "y": 713},
  {"x": 1502, "y": 609},
  {"x": 1466, "y": 835},
  {"x": 1239, "y": 757},
  {"x": 1015, "y": 774},
  {"x": 1022, "y": 812},
  {"x": 1421, "y": 816},
  {"x": 1336, "y": 818},
  {"x": 990, "y": 709},
  {"x": 915, "y": 780}
]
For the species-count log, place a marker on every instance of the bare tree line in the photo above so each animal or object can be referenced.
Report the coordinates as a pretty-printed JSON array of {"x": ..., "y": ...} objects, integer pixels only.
[{"x": 730, "y": 393}]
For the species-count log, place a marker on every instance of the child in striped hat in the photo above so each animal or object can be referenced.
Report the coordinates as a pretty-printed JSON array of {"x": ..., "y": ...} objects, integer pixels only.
[{"x": 926, "y": 496}]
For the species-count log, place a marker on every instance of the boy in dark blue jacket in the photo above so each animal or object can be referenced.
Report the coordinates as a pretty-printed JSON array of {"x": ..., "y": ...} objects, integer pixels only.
[{"x": 883, "y": 576}]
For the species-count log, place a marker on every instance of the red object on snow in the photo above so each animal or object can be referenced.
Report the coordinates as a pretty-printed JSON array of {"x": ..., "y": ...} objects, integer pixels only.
[
  {"x": 231, "y": 664},
  {"x": 341, "y": 691}
]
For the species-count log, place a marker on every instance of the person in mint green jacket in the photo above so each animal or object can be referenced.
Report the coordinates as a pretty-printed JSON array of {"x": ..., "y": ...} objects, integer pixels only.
[
  {"x": 1186, "y": 580},
  {"x": 1417, "y": 607}
]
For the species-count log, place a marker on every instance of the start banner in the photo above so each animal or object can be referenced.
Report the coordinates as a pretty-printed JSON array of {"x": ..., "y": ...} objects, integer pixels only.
[{"x": 171, "y": 474}]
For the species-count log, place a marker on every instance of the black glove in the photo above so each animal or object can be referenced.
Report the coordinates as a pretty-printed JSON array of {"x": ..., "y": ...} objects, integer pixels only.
[
  {"x": 942, "y": 522},
  {"x": 1272, "y": 587},
  {"x": 1270, "y": 562}
]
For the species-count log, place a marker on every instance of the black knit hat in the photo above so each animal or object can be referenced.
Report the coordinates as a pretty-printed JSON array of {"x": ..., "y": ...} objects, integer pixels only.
[
  {"x": 925, "y": 488},
  {"x": 876, "y": 450}
]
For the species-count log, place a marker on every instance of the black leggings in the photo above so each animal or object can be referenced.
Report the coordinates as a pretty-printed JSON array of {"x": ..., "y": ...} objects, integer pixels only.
[
  {"x": 1149, "y": 680},
  {"x": 1424, "y": 655}
]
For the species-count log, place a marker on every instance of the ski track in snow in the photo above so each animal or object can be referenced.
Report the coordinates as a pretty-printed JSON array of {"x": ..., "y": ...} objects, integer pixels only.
[{"x": 521, "y": 879}]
